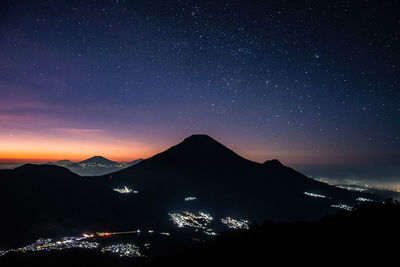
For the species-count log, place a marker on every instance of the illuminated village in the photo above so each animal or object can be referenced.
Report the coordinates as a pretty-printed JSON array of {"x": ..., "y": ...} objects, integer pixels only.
[
  {"x": 235, "y": 224},
  {"x": 129, "y": 250},
  {"x": 125, "y": 190},
  {"x": 200, "y": 222}
]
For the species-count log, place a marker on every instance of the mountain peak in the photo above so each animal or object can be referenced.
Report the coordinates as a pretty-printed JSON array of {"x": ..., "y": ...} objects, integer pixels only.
[
  {"x": 201, "y": 142},
  {"x": 97, "y": 157},
  {"x": 199, "y": 137},
  {"x": 273, "y": 163},
  {"x": 197, "y": 150}
]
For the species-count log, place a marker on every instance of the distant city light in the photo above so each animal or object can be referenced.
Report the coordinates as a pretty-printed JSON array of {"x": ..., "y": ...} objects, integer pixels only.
[
  {"x": 125, "y": 190},
  {"x": 165, "y": 233},
  {"x": 352, "y": 188},
  {"x": 235, "y": 224},
  {"x": 314, "y": 195},
  {"x": 362, "y": 199},
  {"x": 342, "y": 206},
  {"x": 199, "y": 222},
  {"x": 128, "y": 250},
  {"x": 190, "y": 198},
  {"x": 42, "y": 244}
]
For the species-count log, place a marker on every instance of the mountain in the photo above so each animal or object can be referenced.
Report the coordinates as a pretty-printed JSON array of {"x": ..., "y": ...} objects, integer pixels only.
[
  {"x": 64, "y": 162},
  {"x": 197, "y": 151},
  {"x": 274, "y": 163},
  {"x": 98, "y": 162},
  {"x": 73, "y": 165},
  {"x": 95, "y": 166},
  {"x": 226, "y": 184},
  {"x": 47, "y": 200}
]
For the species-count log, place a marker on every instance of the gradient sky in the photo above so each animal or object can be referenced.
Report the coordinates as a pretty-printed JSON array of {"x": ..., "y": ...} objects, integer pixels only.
[{"x": 307, "y": 82}]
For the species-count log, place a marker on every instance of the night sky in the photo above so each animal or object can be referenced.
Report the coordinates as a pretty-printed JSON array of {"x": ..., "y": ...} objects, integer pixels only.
[{"x": 307, "y": 82}]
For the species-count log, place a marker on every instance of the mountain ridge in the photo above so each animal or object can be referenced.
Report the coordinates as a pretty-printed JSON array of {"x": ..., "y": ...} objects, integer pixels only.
[
  {"x": 203, "y": 167},
  {"x": 196, "y": 150},
  {"x": 224, "y": 184}
]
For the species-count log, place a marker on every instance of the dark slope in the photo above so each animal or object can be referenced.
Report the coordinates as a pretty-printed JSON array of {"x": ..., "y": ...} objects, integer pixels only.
[
  {"x": 48, "y": 200},
  {"x": 226, "y": 184},
  {"x": 134, "y": 162},
  {"x": 335, "y": 239}
]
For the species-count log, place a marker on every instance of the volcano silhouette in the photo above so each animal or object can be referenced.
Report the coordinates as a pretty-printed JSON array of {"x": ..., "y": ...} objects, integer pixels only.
[{"x": 42, "y": 200}]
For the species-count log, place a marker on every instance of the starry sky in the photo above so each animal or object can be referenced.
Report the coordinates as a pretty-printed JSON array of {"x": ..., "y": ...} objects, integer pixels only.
[{"x": 307, "y": 82}]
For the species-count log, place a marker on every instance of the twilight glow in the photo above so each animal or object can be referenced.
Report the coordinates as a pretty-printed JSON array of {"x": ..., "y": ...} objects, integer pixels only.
[{"x": 128, "y": 79}]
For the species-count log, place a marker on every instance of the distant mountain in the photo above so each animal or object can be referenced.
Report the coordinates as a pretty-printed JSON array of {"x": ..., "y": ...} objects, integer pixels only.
[
  {"x": 93, "y": 166},
  {"x": 98, "y": 162},
  {"x": 74, "y": 165},
  {"x": 64, "y": 162}
]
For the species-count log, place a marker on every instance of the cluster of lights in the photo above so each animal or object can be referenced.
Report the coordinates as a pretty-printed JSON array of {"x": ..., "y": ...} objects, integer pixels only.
[
  {"x": 165, "y": 233},
  {"x": 362, "y": 199},
  {"x": 235, "y": 224},
  {"x": 342, "y": 206},
  {"x": 84, "y": 165},
  {"x": 128, "y": 250},
  {"x": 210, "y": 231},
  {"x": 199, "y": 222},
  {"x": 49, "y": 244},
  {"x": 314, "y": 195},
  {"x": 103, "y": 234},
  {"x": 93, "y": 165},
  {"x": 352, "y": 188},
  {"x": 125, "y": 190}
]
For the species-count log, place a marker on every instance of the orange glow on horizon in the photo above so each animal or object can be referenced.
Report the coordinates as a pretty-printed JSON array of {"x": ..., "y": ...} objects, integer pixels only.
[
  {"x": 77, "y": 144},
  {"x": 49, "y": 148}
]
